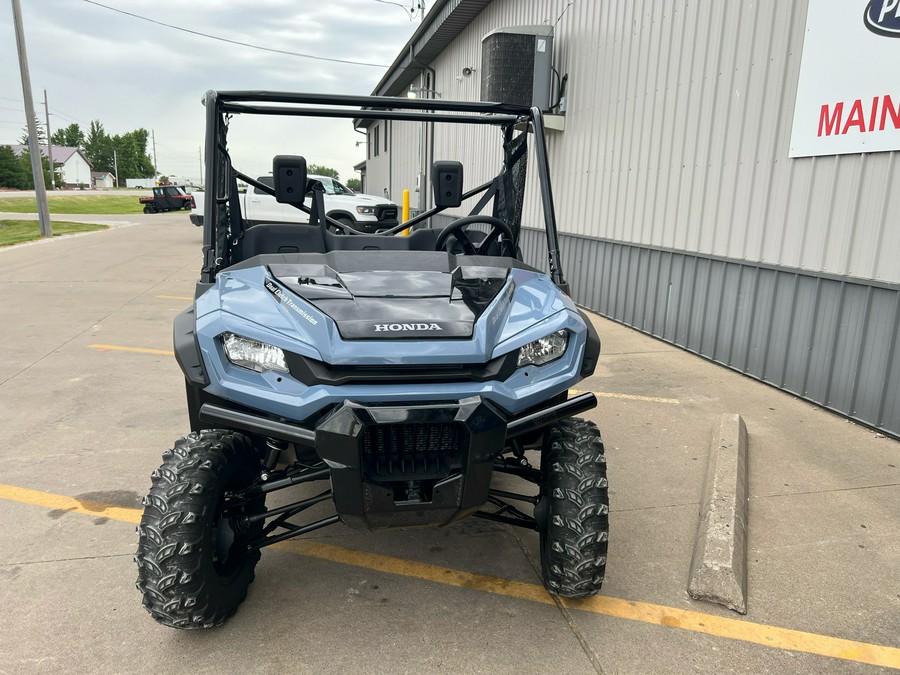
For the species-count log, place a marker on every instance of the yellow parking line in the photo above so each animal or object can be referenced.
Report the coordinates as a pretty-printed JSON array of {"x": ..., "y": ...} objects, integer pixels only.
[
  {"x": 175, "y": 297},
  {"x": 672, "y": 617},
  {"x": 141, "y": 350},
  {"x": 660, "y": 615},
  {"x": 59, "y": 502},
  {"x": 629, "y": 397}
]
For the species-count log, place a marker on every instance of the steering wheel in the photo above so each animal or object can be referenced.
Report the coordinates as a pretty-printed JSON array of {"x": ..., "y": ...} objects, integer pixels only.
[{"x": 455, "y": 229}]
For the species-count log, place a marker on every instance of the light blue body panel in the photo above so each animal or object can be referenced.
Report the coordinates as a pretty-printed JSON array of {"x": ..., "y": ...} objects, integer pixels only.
[{"x": 529, "y": 307}]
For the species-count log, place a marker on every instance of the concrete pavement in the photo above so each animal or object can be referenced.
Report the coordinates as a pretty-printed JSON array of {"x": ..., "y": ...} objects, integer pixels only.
[{"x": 81, "y": 428}]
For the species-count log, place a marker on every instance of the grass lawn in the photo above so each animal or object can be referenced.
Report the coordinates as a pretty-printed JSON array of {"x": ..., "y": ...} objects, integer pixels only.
[
  {"x": 17, "y": 231},
  {"x": 99, "y": 204}
]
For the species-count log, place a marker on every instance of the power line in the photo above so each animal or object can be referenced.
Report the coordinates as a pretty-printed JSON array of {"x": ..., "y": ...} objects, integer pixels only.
[
  {"x": 55, "y": 111},
  {"x": 234, "y": 42}
]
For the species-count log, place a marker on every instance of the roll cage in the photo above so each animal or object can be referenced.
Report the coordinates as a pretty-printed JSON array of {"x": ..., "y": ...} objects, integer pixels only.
[{"x": 223, "y": 222}]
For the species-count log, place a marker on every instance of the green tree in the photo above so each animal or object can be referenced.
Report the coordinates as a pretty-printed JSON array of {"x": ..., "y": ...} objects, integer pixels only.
[
  {"x": 320, "y": 170},
  {"x": 131, "y": 151},
  {"x": 12, "y": 174},
  {"x": 103, "y": 151},
  {"x": 98, "y": 148},
  {"x": 41, "y": 134},
  {"x": 354, "y": 184},
  {"x": 25, "y": 164},
  {"x": 71, "y": 136}
]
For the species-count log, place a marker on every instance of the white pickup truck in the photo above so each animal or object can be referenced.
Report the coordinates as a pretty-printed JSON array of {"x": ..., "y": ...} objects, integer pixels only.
[{"x": 362, "y": 212}]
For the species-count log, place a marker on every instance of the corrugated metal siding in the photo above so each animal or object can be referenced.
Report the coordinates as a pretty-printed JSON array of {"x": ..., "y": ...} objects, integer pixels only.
[
  {"x": 404, "y": 161},
  {"x": 832, "y": 340},
  {"x": 677, "y": 133}
]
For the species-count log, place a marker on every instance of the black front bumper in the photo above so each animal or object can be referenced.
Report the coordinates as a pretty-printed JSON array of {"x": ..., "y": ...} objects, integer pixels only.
[
  {"x": 405, "y": 466},
  {"x": 373, "y": 227},
  {"x": 410, "y": 466}
]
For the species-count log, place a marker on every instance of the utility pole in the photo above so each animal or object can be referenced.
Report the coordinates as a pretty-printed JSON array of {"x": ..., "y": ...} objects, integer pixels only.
[
  {"x": 34, "y": 147},
  {"x": 116, "y": 165},
  {"x": 49, "y": 144},
  {"x": 155, "y": 165}
]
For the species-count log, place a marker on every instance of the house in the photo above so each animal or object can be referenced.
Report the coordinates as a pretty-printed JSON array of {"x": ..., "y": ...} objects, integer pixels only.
[
  {"x": 708, "y": 190},
  {"x": 102, "y": 180},
  {"x": 71, "y": 162}
]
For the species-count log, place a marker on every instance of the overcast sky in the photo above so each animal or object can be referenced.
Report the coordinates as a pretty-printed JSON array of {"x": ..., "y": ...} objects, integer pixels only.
[{"x": 128, "y": 73}]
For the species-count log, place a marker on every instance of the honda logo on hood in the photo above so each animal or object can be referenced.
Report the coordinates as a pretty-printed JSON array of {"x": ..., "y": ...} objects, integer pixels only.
[{"x": 405, "y": 327}]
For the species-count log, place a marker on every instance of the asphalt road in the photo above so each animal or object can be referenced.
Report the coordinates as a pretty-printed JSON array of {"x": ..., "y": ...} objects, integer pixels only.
[{"x": 89, "y": 399}]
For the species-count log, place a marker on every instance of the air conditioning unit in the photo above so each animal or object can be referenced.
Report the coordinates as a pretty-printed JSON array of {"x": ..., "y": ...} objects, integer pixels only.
[{"x": 516, "y": 66}]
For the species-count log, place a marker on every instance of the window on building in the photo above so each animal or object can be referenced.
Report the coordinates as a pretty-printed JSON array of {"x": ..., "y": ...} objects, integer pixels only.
[
  {"x": 387, "y": 125},
  {"x": 375, "y": 143}
]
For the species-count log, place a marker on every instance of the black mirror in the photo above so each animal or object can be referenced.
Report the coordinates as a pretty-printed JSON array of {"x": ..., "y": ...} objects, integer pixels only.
[
  {"x": 289, "y": 172},
  {"x": 447, "y": 183}
]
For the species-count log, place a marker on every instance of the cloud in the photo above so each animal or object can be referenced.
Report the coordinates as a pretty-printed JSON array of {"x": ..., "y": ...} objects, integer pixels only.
[{"x": 128, "y": 73}]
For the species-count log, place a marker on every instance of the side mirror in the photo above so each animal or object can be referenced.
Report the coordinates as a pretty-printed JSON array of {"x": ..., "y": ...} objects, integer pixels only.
[
  {"x": 447, "y": 183},
  {"x": 289, "y": 172}
]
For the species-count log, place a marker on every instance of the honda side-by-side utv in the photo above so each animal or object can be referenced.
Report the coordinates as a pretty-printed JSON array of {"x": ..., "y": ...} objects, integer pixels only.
[{"x": 400, "y": 373}]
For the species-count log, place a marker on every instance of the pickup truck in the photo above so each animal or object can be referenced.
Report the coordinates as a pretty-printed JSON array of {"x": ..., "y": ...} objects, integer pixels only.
[{"x": 362, "y": 212}]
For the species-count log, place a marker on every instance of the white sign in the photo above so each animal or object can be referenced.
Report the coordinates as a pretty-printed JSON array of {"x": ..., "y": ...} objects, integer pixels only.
[{"x": 848, "y": 97}]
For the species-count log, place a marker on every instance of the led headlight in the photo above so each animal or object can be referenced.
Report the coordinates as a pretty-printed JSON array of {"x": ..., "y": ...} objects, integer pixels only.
[
  {"x": 253, "y": 354},
  {"x": 365, "y": 210},
  {"x": 544, "y": 350}
]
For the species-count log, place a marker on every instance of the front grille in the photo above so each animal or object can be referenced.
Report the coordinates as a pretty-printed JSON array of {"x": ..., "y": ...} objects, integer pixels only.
[
  {"x": 312, "y": 372},
  {"x": 386, "y": 212},
  {"x": 412, "y": 451}
]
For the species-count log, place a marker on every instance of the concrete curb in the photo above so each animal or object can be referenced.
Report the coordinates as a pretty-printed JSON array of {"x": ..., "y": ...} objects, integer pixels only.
[{"x": 719, "y": 565}]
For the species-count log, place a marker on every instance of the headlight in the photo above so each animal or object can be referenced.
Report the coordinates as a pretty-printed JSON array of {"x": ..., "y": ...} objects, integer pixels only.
[
  {"x": 365, "y": 210},
  {"x": 253, "y": 354},
  {"x": 544, "y": 350}
]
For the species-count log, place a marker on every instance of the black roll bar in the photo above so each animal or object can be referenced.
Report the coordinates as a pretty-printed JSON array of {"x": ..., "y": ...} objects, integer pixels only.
[
  {"x": 224, "y": 103},
  {"x": 402, "y": 116},
  {"x": 556, "y": 273},
  {"x": 383, "y": 102}
]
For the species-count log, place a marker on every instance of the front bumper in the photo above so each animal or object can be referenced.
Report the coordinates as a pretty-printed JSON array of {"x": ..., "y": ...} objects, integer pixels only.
[
  {"x": 411, "y": 465},
  {"x": 375, "y": 226}
]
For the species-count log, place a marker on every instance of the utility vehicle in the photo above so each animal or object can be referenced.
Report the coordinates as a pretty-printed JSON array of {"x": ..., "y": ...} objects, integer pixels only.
[
  {"x": 412, "y": 378},
  {"x": 167, "y": 198}
]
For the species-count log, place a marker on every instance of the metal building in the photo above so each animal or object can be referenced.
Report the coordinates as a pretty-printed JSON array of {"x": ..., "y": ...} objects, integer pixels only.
[{"x": 684, "y": 210}]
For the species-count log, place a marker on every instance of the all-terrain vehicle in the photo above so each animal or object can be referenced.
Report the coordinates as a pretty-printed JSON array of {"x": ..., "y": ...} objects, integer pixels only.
[
  {"x": 402, "y": 373},
  {"x": 167, "y": 198}
]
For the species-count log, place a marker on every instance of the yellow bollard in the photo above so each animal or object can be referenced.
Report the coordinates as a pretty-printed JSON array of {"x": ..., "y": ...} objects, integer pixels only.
[{"x": 405, "y": 214}]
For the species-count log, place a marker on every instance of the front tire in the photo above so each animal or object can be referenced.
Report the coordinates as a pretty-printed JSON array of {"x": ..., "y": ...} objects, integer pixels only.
[
  {"x": 573, "y": 510},
  {"x": 194, "y": 563}
]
